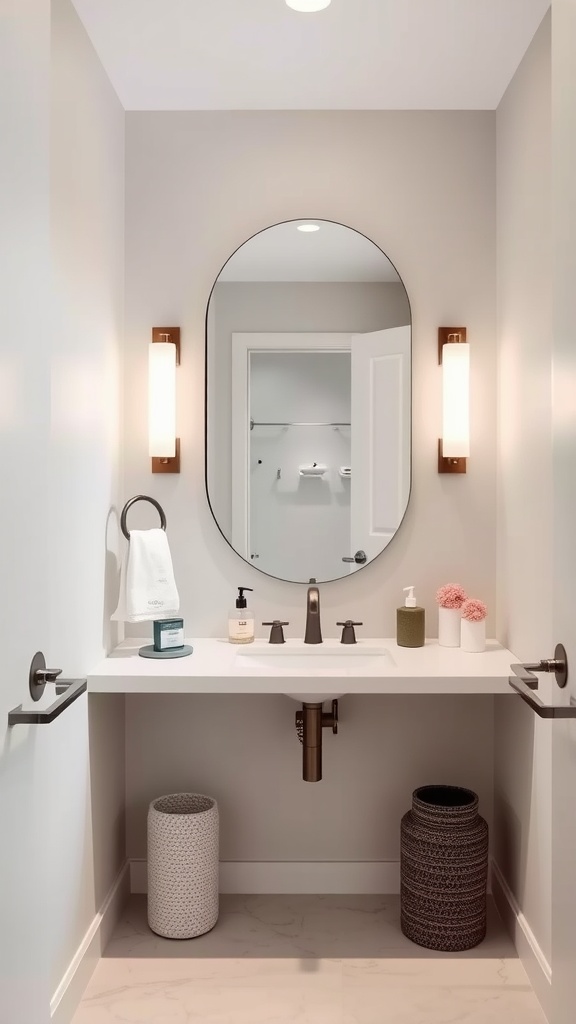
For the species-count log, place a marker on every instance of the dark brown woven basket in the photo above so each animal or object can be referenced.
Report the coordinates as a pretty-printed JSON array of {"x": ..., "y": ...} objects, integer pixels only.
[{"x": 444, "y": 869}]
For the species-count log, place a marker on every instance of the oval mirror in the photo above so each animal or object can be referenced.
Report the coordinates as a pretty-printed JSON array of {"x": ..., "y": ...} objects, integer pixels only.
[{"x": 308, "y": 400}]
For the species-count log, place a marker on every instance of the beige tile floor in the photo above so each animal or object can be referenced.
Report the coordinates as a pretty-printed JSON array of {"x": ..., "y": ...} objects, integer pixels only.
[{"x": 304, "y": 960}]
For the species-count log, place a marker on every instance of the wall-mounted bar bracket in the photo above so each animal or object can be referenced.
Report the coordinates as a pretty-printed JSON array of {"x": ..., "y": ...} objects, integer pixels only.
[
  {"x": 525, "y": 682},
  {"x": 68, "y": 691}
]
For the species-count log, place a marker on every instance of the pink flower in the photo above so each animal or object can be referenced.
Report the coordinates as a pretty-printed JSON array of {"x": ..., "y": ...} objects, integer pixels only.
[
  {"x": 474, "y": 610},
  {"x": 452, "y": 595}
]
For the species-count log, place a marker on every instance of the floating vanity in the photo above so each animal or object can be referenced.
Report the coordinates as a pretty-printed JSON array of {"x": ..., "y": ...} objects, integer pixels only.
[{"x": 307, "y": 673}]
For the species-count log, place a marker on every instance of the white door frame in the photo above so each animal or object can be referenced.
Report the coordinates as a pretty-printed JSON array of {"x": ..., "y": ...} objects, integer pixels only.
[
  {"x": 383, "y": 359},
  {"x": 243, "y": 344}
]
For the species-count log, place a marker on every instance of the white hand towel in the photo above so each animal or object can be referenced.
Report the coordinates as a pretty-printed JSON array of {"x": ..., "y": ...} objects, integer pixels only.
[{"x": 147, "y": 584}]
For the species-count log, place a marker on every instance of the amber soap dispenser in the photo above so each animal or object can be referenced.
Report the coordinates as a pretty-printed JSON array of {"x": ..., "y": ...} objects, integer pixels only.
[{"x": 410, "y": 622}]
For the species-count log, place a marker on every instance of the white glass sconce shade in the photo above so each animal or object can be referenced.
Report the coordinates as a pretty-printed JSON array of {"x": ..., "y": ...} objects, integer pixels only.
[
  {"x": 162, "y": 400},
  {"x": 456, "y": 401}
]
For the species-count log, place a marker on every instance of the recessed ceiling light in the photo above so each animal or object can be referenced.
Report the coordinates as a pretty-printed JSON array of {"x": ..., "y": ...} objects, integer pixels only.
[
  {"x": 308, "y": 227},
  {"x": 308, "y": 6}
]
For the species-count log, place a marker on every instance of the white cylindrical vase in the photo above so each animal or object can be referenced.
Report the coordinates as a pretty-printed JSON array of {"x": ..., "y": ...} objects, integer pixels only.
[
  {"x": 449, "y": 627},
  {"x": 183, "y": 842},
  {"x": 473, "y": 636}
]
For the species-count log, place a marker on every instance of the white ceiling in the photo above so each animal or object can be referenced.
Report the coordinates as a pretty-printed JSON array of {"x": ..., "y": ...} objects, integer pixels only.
[
  {"x": 334, "y": 253},
  {"x": 355, "y": 55}
]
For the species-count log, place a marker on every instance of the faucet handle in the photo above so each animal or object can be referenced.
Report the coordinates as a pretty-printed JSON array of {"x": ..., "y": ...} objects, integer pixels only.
[
  {"x": 276, "y": 633},
  {"x": 348, "y": 634}
]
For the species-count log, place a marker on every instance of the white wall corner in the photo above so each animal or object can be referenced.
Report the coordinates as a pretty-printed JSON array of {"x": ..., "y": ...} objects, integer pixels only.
[
  {"x": 529, "y": 950},
  {"x": 69, "y": 992}
]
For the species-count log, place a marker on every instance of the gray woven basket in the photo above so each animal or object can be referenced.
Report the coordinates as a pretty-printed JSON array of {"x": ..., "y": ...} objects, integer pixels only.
[
  {"x": 182, "y": 865},
  {"x": 444, "y": 869}
]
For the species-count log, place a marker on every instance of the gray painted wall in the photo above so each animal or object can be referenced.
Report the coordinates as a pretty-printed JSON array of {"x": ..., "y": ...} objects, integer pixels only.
[{"x": 393, "y": 176}]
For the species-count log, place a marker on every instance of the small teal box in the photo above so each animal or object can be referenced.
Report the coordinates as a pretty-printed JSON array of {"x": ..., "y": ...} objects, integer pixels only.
[{"x": 168, "y": 634}]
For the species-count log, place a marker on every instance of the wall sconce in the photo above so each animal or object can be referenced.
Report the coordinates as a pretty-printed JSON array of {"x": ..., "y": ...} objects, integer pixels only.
[
  {"x": 163, "y": 358},
  {"x": 454, "y": 357}
]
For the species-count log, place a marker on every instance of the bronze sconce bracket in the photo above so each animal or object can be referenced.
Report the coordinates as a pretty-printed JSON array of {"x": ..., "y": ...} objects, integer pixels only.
[
  {"x": 172, "y": 336},
  {"x": 449, "y": 335}
]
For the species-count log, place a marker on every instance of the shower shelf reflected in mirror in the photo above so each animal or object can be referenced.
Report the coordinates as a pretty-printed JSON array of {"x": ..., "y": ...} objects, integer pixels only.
[{"x": 296, "y": 424}]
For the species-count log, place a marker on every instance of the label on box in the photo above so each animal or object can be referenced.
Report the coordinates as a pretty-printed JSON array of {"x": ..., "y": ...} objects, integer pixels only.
[
  {"x": 171, "y": 638},
  {"x": 168, "y": 634}
]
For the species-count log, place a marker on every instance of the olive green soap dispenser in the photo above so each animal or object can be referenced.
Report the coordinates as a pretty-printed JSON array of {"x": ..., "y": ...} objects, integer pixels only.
[{"x": 410, "y": 622}]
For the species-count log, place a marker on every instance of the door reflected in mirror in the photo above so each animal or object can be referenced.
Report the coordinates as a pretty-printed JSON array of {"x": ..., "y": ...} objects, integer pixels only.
[{"x": 308, "y": 416}]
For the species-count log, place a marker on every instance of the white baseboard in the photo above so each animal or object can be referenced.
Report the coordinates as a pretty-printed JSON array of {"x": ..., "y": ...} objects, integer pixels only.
[
  {"x": 291, "y": 877},
  {"x": 67, "y": 996},
  {"x": 529, "y": 950}
]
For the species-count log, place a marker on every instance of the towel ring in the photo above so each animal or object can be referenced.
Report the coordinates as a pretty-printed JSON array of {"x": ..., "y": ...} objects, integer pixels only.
[{"x": 141, "y": 497}]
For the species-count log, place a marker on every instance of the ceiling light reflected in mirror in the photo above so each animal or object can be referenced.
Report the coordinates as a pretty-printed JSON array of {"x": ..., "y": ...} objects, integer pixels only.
[
  {"x": 308, "y": 6},
  {"x": 308, "y": 227}
]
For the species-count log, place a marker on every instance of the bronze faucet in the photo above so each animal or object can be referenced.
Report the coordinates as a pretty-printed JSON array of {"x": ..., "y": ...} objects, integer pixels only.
[{"x": 313, "y": 633}]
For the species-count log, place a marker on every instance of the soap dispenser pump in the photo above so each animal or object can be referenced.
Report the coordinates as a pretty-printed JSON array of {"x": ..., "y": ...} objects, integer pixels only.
[
  {"x": 241, "y": 620},
  {"x": 410, "y": 622}
]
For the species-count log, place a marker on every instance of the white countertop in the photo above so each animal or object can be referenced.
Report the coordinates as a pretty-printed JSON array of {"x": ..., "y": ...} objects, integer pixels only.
[{"x": 216, "y": 666}]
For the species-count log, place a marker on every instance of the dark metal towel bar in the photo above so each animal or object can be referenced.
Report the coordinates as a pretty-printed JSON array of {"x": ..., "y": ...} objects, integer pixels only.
[
  {"x": 74, "y": 689},
  {"x": 525, "y": 682}
]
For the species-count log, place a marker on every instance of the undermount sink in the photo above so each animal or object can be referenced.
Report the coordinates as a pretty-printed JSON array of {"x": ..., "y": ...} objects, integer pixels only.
[
  {"x": 332, "y": 661},
  {"x": 315, "y": 661}
]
